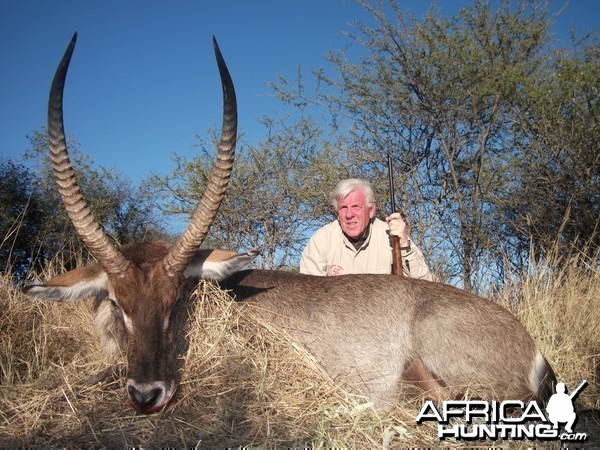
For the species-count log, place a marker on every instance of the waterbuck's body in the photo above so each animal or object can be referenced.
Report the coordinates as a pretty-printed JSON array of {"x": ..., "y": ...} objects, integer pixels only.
[
  {"x": 376, "y": 331},
  {"x": 373, "y": 331}
]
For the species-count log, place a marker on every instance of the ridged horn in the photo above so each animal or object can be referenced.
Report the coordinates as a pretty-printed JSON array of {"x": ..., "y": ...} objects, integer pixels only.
[
  {"x": 191, "y": 239},
  {"x": 90, "y": 231}
]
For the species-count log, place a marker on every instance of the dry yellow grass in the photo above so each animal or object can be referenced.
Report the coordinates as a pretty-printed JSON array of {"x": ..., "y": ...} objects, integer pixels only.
[
  {"x": 242, "y": 381},
  {"x": 561, "y": 310}
]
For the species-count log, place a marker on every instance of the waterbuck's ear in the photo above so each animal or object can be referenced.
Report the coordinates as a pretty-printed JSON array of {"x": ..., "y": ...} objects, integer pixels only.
[
  {"x": 73, "y": 285},
  {"x": 217, "y": 265}
]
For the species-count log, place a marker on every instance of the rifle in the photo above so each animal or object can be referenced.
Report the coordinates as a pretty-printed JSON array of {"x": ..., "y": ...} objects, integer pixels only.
[{"x": 396, "y": 255}]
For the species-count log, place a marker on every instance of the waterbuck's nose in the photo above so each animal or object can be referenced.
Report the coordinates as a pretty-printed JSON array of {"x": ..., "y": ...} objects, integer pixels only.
[
  {"x": 144, "y": 401},
  {"x": 149, "y": 398}
]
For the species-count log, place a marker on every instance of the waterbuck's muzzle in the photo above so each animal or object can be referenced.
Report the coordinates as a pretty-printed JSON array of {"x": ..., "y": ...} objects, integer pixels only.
[{"x": 151, "y": 397}]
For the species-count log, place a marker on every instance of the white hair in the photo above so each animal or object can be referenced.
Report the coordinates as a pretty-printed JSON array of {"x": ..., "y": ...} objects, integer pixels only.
[{"x": 345, "y": 187}]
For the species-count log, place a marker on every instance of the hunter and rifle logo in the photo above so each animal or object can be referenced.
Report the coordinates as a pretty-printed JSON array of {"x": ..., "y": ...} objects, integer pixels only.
[{"x": 509, "y": 419}]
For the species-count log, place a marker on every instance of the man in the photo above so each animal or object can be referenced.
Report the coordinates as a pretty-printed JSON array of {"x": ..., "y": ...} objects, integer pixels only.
[{"x": 358, "y": 242}]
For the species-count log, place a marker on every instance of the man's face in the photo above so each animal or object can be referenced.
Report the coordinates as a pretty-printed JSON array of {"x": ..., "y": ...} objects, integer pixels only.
[{"x": 354, "y": 214}]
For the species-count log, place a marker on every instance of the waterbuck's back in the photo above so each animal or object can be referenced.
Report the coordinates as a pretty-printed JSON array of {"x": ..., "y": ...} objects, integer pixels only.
[{"x": 376, "y": 330}]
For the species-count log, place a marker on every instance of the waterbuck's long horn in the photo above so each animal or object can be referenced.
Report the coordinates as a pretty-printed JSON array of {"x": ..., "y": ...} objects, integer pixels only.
[
  {"x": 90, "y": 231},
  {"x": 189, "y": 242}
]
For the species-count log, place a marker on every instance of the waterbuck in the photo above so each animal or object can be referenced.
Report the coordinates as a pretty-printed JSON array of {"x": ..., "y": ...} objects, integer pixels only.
[{"x": 375, "y": 332}]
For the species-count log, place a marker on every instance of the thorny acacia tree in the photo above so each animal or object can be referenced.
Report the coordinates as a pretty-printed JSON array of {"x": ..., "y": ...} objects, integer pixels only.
[
  {"x": 556, "y": 196},
  {"x": 443, "y": 95},
  {"x": 20, "y": 217},
  {"x": 35, "y": 227}
]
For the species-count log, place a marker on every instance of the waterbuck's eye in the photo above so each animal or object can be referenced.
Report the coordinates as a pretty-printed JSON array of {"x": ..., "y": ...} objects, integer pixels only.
[{"x": 114, "y": 303}]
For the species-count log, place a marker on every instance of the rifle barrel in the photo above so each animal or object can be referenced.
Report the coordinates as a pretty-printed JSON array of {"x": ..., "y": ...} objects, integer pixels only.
[{"x": 391, "y": 181}]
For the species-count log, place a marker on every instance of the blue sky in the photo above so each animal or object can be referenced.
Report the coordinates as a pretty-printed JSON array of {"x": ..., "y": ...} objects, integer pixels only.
[{"x": 143, "y": 81}]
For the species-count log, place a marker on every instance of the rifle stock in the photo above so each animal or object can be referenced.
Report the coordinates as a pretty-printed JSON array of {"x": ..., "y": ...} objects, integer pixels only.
[{"x": 396, "y": 257}]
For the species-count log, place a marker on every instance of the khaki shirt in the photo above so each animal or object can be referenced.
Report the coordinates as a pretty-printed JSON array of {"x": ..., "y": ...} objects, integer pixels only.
[{"x": 329, "y": 250}]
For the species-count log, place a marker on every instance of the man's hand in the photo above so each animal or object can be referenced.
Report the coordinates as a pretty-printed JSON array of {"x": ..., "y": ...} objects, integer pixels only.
[
  {"x": 334, "y": 271},
  {"x": 398, "y": 228}
]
